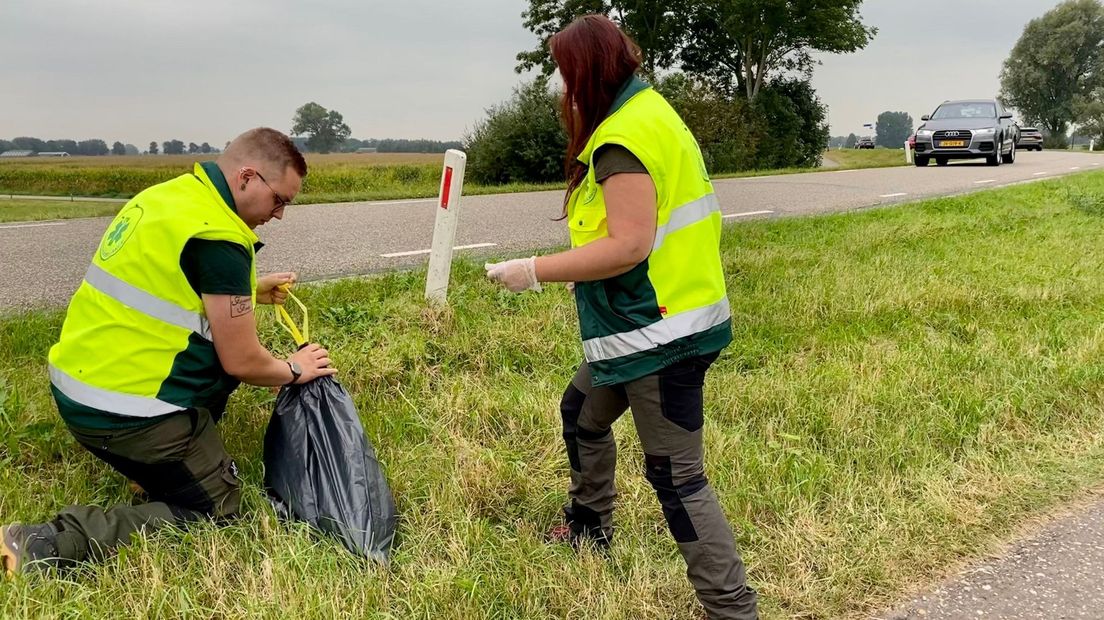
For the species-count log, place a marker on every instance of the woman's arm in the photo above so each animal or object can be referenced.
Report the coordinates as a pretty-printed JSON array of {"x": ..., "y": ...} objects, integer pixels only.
[{"x": 631, "y": 214}]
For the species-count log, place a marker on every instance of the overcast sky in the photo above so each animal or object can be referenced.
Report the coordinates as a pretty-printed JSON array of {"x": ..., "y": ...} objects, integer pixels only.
[
  {"x": 205, "y": 70},
  {"x": 926, "y": 51}
]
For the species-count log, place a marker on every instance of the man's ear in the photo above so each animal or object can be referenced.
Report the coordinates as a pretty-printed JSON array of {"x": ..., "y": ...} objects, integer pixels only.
[{"x": 244, "y": 174}]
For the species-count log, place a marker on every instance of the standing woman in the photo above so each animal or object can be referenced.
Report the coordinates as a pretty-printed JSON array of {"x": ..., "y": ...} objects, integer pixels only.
[{"x": 645, "y": 233}]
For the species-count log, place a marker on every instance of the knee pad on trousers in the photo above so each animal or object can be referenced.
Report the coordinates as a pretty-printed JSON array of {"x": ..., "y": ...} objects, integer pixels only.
[{"x": 658, "y": 472}]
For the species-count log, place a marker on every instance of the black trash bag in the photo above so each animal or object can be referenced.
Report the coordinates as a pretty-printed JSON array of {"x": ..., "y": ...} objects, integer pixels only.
[{"x": 321, "y": 468}]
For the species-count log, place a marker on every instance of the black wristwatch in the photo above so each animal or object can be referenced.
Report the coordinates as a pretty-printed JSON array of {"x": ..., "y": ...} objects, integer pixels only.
[{"x": 296, "y": 372}]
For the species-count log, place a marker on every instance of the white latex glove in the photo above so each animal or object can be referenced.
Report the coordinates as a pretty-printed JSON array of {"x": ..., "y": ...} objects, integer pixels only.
[{"x": 516, "y": 275}]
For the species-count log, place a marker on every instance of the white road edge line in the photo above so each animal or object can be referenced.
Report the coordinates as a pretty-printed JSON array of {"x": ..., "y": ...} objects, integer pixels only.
[
  {"x": 36, "y": 225},
  {"x": 1075, "y": 167},
  {"x": 1039, "y": 174},
  {"x": 397, "y": 202},
  {"x": 894, "y": 195},
  {"x": 985, "y": 181},
  {"x": 748, "y": 214},
  {"x": 474, "y": 246}
]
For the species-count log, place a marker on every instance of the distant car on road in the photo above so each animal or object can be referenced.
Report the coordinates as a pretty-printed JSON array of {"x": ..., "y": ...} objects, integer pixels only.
[
  {"x": 865, "y": 143},
  {"x": 967, "y": 129},
  {"x": 912, "y": 142},
  {"x": 1031, "y": 139}
]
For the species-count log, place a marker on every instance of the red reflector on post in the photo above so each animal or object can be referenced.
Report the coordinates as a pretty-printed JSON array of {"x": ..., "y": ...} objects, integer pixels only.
[{"x": 447, "y": 189}]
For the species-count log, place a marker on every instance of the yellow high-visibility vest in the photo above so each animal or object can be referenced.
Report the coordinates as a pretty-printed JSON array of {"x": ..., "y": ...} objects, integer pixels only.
[
  {"x": 136, "y": 341},
  {"x": 673, "y": 305}
]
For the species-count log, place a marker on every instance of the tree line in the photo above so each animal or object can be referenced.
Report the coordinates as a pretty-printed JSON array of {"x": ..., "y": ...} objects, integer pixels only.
[
  {"x": 177, "y": 147},
  {"x": 97, "y": 147},
  {"x": 318, "y": 130},
  {"x": 73, "y": 147}
]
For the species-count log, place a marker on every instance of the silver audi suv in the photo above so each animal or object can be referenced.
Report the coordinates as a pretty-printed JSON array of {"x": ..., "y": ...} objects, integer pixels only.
[{"x": 967, "y": 129}]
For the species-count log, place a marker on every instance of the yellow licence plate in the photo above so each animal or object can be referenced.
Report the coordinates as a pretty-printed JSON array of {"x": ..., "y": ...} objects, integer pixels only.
[{"x": 951, "y": 143}]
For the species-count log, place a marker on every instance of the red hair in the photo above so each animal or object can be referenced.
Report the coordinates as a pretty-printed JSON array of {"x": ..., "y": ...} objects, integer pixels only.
[{"x": 595, "y": 59}]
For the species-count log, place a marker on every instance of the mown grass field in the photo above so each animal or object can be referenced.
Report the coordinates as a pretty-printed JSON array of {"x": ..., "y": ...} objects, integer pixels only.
[
  {"x": 332, "y": 178},
  {"x": 907, "y": 385},
  {"x": 866, "y": 158},
  {"x": 36, "y": 210}
]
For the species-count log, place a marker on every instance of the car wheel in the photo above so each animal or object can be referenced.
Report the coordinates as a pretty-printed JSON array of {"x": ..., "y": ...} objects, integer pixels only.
[
  {"x": 1010, "y": 158},
  {"x": 996, "y": 157},
  {"x": 921, "y": 161},
  {"x": 942, "y": 161}
]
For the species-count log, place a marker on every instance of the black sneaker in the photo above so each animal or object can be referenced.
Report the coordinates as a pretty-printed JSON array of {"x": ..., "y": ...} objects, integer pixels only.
[{"x": 28, "y": 548}]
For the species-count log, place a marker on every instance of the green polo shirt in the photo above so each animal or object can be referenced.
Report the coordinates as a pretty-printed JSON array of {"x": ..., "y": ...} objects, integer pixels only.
[{"x": 212, "y": 268}]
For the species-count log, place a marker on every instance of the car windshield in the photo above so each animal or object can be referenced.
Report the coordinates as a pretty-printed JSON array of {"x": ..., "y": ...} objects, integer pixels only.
[{"x": 965, "y": 110}]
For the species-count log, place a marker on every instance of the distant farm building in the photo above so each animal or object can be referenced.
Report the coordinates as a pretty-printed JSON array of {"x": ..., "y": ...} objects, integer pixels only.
[
  {"x": 367, "y": 149},
  {"x": 54, "y": 154},
  {"x": 10, "y": 154}
]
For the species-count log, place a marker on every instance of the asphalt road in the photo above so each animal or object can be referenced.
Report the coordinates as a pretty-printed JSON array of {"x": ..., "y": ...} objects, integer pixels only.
[
  {"x": 41, "y": 263},
  {"x": 1054, "y": 574}
]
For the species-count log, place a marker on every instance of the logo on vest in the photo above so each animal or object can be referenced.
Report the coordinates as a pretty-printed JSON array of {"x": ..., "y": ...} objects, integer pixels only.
[
  {"x": 119, "y": 233},
  {"x": 590, "y": 191}
]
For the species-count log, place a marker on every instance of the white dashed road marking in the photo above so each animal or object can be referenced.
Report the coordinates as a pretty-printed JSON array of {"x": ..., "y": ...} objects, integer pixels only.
[
  {"x": 417, "y": 252},
  {"x": 748, "y": 214},
  {"x": 35, "y": 225}
]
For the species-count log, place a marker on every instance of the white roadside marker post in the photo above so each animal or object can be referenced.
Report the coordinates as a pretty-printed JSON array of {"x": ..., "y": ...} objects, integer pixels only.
[
  {"x": 444, "y": 230},
  {"x": 908, "y": 153}
]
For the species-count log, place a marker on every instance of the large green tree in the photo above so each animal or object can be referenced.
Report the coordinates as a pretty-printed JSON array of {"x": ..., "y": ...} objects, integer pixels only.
[
  {"x": 893, "y": 129},
  {"x": 1090, "y": 115},
  {"x": 739, "y": 44},
  {"x": 1057, "y": 60},
  {"x": 325, "y": 129},
  {"x": 656, "y": 25},
  {"x": 735, "y": 44},
  {"x": 521, "y": 140}
]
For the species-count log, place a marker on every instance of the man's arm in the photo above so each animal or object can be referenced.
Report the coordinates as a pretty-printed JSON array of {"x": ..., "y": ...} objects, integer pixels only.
[{"x": 234, "y": 330}]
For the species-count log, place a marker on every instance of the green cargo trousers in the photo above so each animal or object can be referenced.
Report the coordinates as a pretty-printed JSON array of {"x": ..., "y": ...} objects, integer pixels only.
[
  {"x": 668, "y": 412},
  {"x": 181, "y": 464}
]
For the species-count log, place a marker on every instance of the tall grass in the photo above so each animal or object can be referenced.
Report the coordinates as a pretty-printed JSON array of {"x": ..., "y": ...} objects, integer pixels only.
[{"x": 906, "y": 386}]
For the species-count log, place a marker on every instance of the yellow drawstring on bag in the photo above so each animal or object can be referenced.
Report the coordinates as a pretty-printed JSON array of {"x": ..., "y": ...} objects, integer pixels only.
[{"x": 283, "y": 318}]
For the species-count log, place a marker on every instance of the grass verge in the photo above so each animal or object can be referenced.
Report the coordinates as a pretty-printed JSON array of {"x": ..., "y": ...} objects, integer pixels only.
[{"x": 906, "y": 386}]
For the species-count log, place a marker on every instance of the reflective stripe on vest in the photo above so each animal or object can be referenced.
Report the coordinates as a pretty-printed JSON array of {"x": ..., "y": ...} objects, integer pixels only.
[
  {"x": 107, "y": 400},
  {"x": 687, "y": 215},
  {"x": 150, "y": 305},
  {"x": 657, "y": 334}
]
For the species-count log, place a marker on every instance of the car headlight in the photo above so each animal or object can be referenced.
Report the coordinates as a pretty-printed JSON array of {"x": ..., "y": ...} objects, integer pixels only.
[
  {"x": 988, "y": 131},
  {"x": 924, "y": 133}
]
